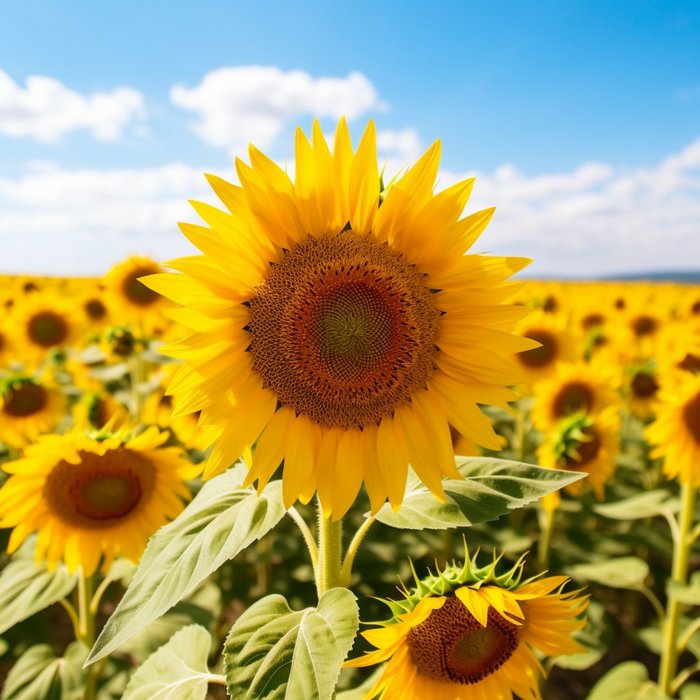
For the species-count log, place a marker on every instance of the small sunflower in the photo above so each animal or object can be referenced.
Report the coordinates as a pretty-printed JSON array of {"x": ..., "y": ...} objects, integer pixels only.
[
  {"x": 555, "y": 344},
  {"x": 584, "y": 443},
  {"x": 92, "y": 497},
  {"x": 641, "y": 388},
  {"x": 679, "y": 348},
  {"x": 467, "y": 634},
  {"x": 676, "y": 431},
  {"x": 96, "y": 409},
  {"x": 8, "y": 351},
  {"x": 129, "y": 299},
  {"x": 573, "y": 387},
  {"x": 342, "y": 336},
  {"x": 94, "y": 308},
  {"x": 28, "y": 408},
  {"x": 40, "y": 322}
]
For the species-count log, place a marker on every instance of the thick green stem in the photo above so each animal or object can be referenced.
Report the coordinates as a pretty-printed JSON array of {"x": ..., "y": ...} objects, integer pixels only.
[
  {"x": 330, "y": 545},
  {"x": 87, "y": 626},
  {"x": 674, "y": 609}
]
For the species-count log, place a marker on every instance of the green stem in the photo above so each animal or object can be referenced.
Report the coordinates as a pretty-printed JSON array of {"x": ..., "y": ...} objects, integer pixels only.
[
  {"x": 521, "y": 433},
  {"x": 681, "y": 555},
  {"x": 546, "y": 518},
  {"x": 294, "y": 514},
  {"x": 87, "y": 626},
  {"x": 352, "y": 551},
  {"x": 136, "y": 368},
  {"x": 330, "y": 545},
  {"x": 73, "y": 617}
]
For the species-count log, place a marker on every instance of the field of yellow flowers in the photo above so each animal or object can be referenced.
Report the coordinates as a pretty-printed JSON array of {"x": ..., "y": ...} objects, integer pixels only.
[{"x": 611, "y": 391}]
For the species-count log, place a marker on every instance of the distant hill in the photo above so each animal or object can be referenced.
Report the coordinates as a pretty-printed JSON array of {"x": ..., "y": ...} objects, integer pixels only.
[{"x": 670, "y": 276}]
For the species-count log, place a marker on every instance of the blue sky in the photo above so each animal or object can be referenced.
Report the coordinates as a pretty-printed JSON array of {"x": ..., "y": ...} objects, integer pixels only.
[{"x": 570, "y": 112}]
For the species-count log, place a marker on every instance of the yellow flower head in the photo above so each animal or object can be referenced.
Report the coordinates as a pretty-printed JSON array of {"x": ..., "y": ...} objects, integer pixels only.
[
  {"x": 583, "y": 443},
  {"x": 342, "y": 336},
  {"x": 466, "y": 634},
  {"x": 574, "y": 387},
  {"x": 92, "y": 497},
  {"x": 28, "y": 408},
  {"x": 676, "y": 431}
]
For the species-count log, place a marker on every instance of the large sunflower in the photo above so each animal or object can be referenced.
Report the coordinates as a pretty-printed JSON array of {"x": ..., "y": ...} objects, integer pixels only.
[
  {"x": 89, "y": 498},
  {"x": 28, "y": 408},
  {"x": 572, "y": 387},
  {"x": 676, "y": 431},
  {"x": 344, "y": 336},
  {"x": 469, "y": 635}
]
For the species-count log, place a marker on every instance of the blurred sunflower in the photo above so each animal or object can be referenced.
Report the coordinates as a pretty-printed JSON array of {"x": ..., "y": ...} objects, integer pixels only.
[
  {"x": 469, "y": 635},
  {"x": 645, "y": 319},
  {"x": 90, "y": 498},
  {"x": 8, "y": 352},
  {"x": 641, "y": 388},
  {"x": 129, "y": 299},
  {"x": 574, "y": 387},
  {"x": 41, "y": 321},
  {"x": 676, "y": 430},
  {"x": 679, "y": 348},
  {"x": 555, "y": 344},
  {"x": 344, "y": 336},
  {"x": 94, "y": 309},
  {"x": 28, "y": 408},
  {"x": 96, "y": 409},
  {"x": 584, "y": 443}
]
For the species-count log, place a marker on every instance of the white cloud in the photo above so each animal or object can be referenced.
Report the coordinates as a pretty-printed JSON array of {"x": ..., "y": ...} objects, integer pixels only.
[
  {"x": 594, "y": 220},
  {"x": 398, "y": 148},
  {"x": 46, "y": 110},
  {"x": 597, "y": 219},
  {"x": 251, "y": 104}
]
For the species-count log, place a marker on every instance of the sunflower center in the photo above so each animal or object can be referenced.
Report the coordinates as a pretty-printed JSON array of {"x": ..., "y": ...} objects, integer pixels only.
[
  {"x": 2, "y": 341},
  {"x": 592, "y": 320},
  {"x": 644, "y": 325},
  {"x": 47, "y": 329},
  {"x": 572, "y": 398},
  {"x": 644, "y": 386},
  {"x": 95, "y": 309},
  {"x": 100, "y": 490},
  {"x": 343, "y": 330},
  {"x": 137, "y": 292},
  {"x": 452, "y": 646},
  {"x": 695, "y": 308},
  {"x": 690, "y": 363},
  {"x": 620, "y": 303},
  {"x": 691, "y": 415},
  {"x": 542, "y": 356},
  {"x": 25, "y": 399},
  {"x": 587, "y": 450},
  {"x": 550, "y": 304}
]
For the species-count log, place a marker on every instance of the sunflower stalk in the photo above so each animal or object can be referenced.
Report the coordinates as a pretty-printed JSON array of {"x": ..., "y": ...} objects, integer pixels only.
[
  {"x": 681, "y": 556},
  {"x": 330, "y": 545},
  {"x": 546, "y": 518},
  {"x": 86, "y": 615}
]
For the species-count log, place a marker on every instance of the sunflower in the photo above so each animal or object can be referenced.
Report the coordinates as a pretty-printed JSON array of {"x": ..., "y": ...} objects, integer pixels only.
[
  {"x": 584, "y": 443},
  {"x": 676, "y": 431},
  {"x": 641, "y": 388},
  {"x": 555, "y": 344},
  {"x": 40, "y": 322},
  {"x": 679, "y": 348},
  {"x": 96, "y": 409},
  {"x": 467, "y": 634},
  {"x": 91, "y": 497},
  {"x": 342, "y": 336},
  {"x": 28, "y": 408},
  {"x": 8, "y": 352},
  {"x": 572, "y": 387},
  {"x": 646, "y": 320},
  {"x": 94, "y": 309},
  {"x": 128, "y": 299}
]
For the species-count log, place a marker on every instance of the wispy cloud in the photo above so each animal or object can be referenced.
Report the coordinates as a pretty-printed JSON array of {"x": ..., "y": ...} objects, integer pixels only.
[
  {"x": 245, "y": 104},
  {"x": 593, "y": 220},
  {"x": 46, "y": 110}
]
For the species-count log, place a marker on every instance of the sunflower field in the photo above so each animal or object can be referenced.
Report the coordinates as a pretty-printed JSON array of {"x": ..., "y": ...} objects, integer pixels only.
[{"x": 341, "y": 455}]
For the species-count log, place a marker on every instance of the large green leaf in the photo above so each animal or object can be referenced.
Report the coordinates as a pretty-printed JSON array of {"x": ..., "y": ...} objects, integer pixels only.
[
  {"x": 39, "y": 675},
  {"x": 274, "y": 653},
  {"x": 628, "y": 681},
  {"x": 177, "y": 671},
  {"x": 643, "y": 505},
  {"x": 26, "y": 588},
  {"x": 690, "y": 691},
  {"x": 492, "y": 487},
  {"x": 623, "y": 572},
  {"x": 221, "y": 520}
]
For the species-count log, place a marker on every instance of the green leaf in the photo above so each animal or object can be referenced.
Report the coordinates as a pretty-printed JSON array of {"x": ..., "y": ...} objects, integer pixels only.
[
  {"x": 221, "y": 520},
  {"x": 360, "y": 693},
  {"x": 686, "y": 594},
  {"x": 39, "y": 675},
  {"x": 26, "y": 588},
  {"x": 644, "y": 505},
  {"x": 624, "y": 572},
  {"x": 628, "y": 681},
  {"x": 492, "y": 487},
  {"x": 275, "y": 653},
  {"x": 177, "y": 671},
  {"x": 690, "y": 691}
]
